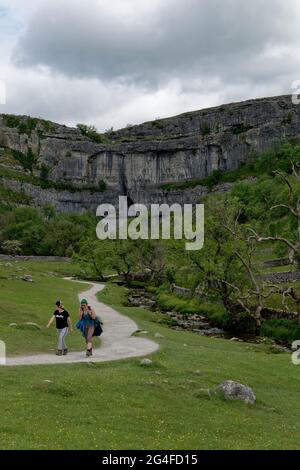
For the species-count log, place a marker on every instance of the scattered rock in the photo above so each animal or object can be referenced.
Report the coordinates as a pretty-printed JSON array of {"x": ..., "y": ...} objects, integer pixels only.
[
  {"x": 47, "y": 381},
  {"x": 234, "y": 339},
  {"x": 8, "y": 265},
  {"x": 149, "y": 382},
  {"x": 27, "y": 278},
  {"x": 144, "y": 332},
  {"x": 13, "y": 324},
  {"x": 276, "y": 349},
  {"x": 212, "y": 331},
  {"x": 141, "y": 300},
  {"x": 198, "y": 372},
  {"x": 34, "y": 325},
  {"x": 158, "y": 335},
  {"x": 157, "y": 372},
  {"x": 237, "y": 391},
  {"x": 203, "y": 393},
  {"x": 145, "y": 362}
]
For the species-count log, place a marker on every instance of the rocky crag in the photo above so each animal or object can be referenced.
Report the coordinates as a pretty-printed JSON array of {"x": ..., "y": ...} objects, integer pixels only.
[{"x": 75, "y": 171}]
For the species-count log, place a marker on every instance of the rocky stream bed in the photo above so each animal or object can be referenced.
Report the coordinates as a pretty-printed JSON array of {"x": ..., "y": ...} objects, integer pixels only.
[{"x": 197, "y": 324}]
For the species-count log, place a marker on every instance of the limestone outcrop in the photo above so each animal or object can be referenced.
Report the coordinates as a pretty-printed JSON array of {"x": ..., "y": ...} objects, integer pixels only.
[{"x": 139, "y": 160}]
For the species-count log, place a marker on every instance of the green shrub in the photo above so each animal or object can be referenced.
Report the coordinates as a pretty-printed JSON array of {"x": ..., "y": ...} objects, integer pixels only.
[
  {"x": 186, "y": 306},
  {"x": 157, "y": 123},
  {"x": 101, "y": 186},
  {"x": 11, "y": 120},
  {"x": 240, "y": 128},
  {"x": 285, "y": 331},
  {"x": 288, "y": 119},
  {"x": 45, "y": 170},
  {"x": 204, "y": 128},
  {"x": 216, "y": 314},
  {"x": 24, "y": 125},
  {"x": 92, "y": 133},
  {"x": 28, "y": 160}
]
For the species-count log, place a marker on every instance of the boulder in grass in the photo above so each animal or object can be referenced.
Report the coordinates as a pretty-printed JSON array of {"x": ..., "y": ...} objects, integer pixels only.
[
  {"x": 237, "y": 391},
  {"x": 198, "y": 372},
  {"x": 146, "y": 362},
  {"x": 13, "y": 324},
  {"x": 158, "y": 336},
  {"x": 27, "y": 278}
]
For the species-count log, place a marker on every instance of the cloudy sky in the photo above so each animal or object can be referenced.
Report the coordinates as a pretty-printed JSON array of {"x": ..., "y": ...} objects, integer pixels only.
[{"x": 115, "y": 62}]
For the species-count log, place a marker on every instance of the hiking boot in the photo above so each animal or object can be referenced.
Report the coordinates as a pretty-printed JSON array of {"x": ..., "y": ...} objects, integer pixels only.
[
  {"x": 59, "y": 352},
  {"x": 65, "y": 352},
  {"x": 89, "y": 352}
]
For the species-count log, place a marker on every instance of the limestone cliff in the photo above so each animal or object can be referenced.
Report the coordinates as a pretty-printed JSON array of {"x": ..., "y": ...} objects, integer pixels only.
[{"x": 139, "y": 160}]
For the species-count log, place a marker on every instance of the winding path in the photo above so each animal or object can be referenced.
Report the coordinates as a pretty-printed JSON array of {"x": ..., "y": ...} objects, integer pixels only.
[{"x": 117, "y": 341}]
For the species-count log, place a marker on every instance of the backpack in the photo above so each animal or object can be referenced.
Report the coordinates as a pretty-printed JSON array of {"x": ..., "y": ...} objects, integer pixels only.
[{"x": 98, "y": 327}]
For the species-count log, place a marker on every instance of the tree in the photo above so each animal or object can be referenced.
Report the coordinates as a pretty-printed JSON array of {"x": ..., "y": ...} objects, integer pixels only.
[
  {"x": 225, "y": 266},
  {"x": 92, "y": 259},
  {"x": 12, "y": 247},
  {"x": 123, "y": 256},
  {"x": 291, "y": 206},
  {"x": 153, "y": 258}
]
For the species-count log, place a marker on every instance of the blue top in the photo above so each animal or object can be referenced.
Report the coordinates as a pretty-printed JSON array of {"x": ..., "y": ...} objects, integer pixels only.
[{"x": 88, "y": 321}]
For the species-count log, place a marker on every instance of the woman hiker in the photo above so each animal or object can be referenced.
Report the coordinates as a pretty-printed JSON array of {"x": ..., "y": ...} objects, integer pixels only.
[
  {"x": 63, "y": 323},
  {"x": 89, "y": 325}
]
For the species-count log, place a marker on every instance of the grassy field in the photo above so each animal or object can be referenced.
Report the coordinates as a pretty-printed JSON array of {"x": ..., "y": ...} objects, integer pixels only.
[{"x": 124, "y": 405}]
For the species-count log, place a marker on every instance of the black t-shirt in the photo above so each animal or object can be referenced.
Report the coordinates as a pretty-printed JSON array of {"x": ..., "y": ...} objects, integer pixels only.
[{"x": 61, "y": 319}]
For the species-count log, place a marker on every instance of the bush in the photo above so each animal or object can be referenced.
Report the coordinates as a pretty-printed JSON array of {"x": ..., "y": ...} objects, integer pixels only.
[
  {"x": 101, "y": 186},
  {"x": 92, "y": 133},
  {"x": 187, "y": 306},
  {"x": 12, "y": 247},
  {"x": 28, "y": 160},
  {"x": 285, "y": 331},
  {"x": 216, "y": 314},
  {"x": 24, "y": 125},
  {"x": 45, "y": 170},
  {"x": 240, "y": 128},
  {"x": 204, "y": 127}
]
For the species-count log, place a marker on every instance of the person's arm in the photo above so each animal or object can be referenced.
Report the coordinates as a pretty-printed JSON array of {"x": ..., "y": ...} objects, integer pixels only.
[
  {"x": 80, "y": 314},
  {"x": 51, "y": 321},
  {"x": 93, "y": 314},
  {"x": 70, "y": 323}
]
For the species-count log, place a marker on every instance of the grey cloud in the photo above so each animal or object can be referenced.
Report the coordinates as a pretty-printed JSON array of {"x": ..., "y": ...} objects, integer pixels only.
[
  {"x": 106, "y": 63},
  {"x": 208, "y": 38}
]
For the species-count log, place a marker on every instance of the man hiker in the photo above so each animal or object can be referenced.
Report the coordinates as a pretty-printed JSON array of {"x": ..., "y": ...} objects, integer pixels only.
[{"x": 63, "y": 323}]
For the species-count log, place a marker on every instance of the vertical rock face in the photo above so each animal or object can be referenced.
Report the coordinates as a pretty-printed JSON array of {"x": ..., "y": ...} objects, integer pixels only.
[{"x": 137, "y": 161}]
